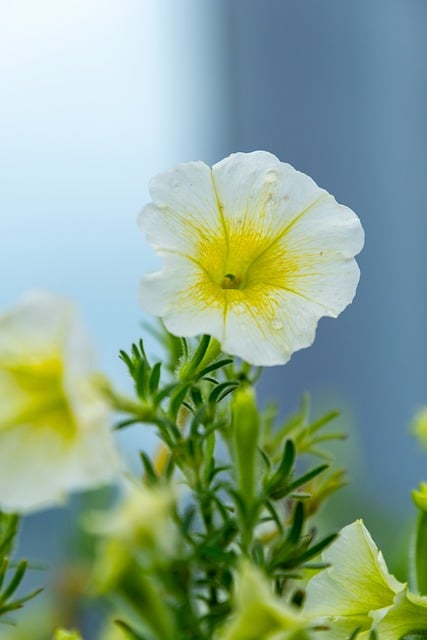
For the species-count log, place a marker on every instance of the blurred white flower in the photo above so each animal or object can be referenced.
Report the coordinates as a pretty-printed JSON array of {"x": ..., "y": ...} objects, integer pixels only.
[
  {"x": 254, "y": 254},
  {"x": 140, "y": 523},
  {"x": 54, "y": 430},
  {"x": 258, "y": 613},
  {"x": 141, "y": 518}
]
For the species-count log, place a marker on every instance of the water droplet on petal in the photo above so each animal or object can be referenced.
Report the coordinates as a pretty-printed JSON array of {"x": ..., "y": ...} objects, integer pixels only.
[
  {"x": 271, "y": 176},
  {"x": 277, "y": 325}
]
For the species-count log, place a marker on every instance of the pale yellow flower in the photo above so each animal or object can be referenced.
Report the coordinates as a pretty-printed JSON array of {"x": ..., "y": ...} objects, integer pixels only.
[
  {"x": 54, "y": 432},
  {"x": 258, "y": 614},
  {"x": 254, "y": 253},
  {"x": 406, "y": 617},
  {"x": 356, "y": 583}
]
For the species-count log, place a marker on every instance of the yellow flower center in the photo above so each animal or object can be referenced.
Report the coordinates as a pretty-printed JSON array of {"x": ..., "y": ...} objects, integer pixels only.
[
  {"x": 37, "y": 396},
  {"x": 244, "y": 265}
]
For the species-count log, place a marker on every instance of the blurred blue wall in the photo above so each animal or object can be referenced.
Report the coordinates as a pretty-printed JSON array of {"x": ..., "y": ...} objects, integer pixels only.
[
  {"x": 339, "y": 90},
  {"x": 96, "y": 98}
]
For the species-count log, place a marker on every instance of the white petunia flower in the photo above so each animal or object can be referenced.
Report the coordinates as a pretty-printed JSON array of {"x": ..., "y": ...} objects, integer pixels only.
[
  {"x": 254, "y": 253},
  {"x": 54, "y": 433}
]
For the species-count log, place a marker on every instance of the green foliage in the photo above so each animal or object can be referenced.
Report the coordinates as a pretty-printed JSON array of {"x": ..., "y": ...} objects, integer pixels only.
[
  {"x": 11, "y": 574},
  {"x": 248, "y": 495}
]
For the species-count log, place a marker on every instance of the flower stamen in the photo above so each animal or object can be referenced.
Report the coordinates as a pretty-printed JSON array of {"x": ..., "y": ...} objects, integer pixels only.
[{"x": 231, "y": 281}]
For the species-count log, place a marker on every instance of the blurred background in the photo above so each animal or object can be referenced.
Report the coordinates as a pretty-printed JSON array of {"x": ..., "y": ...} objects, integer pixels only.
[{"x": 99, "y": 95}]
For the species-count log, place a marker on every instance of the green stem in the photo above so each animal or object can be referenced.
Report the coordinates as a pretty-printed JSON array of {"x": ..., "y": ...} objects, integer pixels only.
[{"x": 421, "y": 553}]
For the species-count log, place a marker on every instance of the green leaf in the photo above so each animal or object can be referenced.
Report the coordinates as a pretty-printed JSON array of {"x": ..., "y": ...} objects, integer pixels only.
[
  {"x": 307, "y": 477},
  {"x": 177, "y": 398},
  {"x": 8, "y": 532},
  {"x": 128, "y": 361},
  {"x": 189, "y": 368},
  {"x": 317, "y": 548},
  {"x": 150, "y": 474},
  {"x": 295, "y": 531},
  {"x": 14, "y": 582},
  {"x": 140, "y": 375},
  {"x": 288, "y": 460},
  {"x": 4, "y": 565},
  {"x": 163, "y": 393},
  {"x": 321, "y": 422},
  {"x": 196, "y": 396},
  {"x": 126, "y": 423},
  {"x": 154, "y": 380},
  {"x": 197, "y": 420},
  {"x": 214, "y": 366},
  {"x": 278, "y": 481},
  {"x": 221, "y": 390}
]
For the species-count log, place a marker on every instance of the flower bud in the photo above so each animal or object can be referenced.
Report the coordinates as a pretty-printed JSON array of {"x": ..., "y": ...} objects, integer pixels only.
[{"x": 245, "y": 429}]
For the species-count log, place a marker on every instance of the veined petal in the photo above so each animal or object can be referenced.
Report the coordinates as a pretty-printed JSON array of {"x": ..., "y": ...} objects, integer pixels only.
[
  {"x": 256, "y": 189},
  {"x": 326, "y": 227},
  {"x": 184, "y": 297},
  {"x": 254, "y": 259},
  {"x": 330, "y": 285},
  {"x": 184, "y": 207},
  {"x": 264, "y": 331},
  {"x": 357, "y": 581}
]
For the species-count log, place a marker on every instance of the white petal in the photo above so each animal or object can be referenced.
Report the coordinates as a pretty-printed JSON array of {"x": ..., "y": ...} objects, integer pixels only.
[
  {"x": 177, "y": 295},
  {"x": 269, "y": 332},
  {"x": 257, "y": 189},
  {"x": 326, "y": 227},
  {"x": 185, "y": 208},
  {"x": 330, "y": 285}
]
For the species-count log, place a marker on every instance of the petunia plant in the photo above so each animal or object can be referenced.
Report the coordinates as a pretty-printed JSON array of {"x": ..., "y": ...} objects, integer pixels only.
[{"x": 216, "y": 537}]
